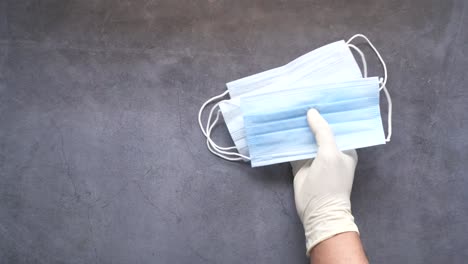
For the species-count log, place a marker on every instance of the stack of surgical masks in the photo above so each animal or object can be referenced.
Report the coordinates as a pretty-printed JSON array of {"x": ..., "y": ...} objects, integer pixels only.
[{"x": 266, "y": 112}]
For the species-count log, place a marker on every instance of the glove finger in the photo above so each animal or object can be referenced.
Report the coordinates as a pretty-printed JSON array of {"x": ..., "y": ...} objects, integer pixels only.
[{"x": 322, "y": 131}]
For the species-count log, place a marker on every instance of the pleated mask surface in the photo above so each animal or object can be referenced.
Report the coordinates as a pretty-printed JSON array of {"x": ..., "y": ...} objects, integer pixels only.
[{"x": 276, "y": 123}]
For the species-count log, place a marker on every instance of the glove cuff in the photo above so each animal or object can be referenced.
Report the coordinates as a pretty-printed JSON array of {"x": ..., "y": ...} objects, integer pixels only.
[
  {"x": 328, "y": 221},
  {"x": 317, "y": 237}
]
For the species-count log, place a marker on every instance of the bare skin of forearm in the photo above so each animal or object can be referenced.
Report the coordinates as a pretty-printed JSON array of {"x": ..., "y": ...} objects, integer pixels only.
[{"x": 342, "y": 248}]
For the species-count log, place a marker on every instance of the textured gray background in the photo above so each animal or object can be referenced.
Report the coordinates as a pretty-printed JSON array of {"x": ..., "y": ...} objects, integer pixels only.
[{"x": 101, "y": 159}]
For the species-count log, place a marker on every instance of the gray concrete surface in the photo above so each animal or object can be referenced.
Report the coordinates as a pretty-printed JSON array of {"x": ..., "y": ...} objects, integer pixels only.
[{"x": 101, "y": 159}]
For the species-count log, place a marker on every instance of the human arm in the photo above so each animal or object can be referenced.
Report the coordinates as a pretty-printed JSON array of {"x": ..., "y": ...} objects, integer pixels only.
[{"x": 342, "y": 248}]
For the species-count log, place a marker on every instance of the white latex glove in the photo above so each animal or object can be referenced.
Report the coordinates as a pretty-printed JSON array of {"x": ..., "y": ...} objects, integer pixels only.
[{"x": 322, "y": 186}]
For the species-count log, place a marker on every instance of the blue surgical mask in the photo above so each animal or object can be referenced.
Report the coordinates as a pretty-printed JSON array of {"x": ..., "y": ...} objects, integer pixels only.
[
  {"x": 276, "y": 124},
  {"x": 331, "y": 63}
]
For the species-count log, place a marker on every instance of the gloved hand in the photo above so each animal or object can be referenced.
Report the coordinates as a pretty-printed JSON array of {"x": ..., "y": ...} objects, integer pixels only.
[{"x": 322, "y": 186}]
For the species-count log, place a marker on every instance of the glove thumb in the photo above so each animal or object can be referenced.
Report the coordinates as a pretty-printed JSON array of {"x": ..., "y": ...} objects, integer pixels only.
[{"x": 322, "y": 131}]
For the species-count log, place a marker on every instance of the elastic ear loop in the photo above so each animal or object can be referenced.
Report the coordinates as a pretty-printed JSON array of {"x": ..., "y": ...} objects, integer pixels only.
[
  {"x": 220, "y": 150},
  {"x": 363, "y": 58},
  {"x": 203, "y": 108},
  {"x": 383, "y": 81},
  {"x": 384, "y": 66},
  {"x": 208, "y": 127},
  {"x": 212, "y": 146}
]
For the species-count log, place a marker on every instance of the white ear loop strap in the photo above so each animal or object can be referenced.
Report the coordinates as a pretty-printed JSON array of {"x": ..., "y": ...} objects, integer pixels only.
[
  {"x": 212, "y": 146},
  {"x": 209, "y": 127},
  {"x": 363, "y": 58},
  {"x": 203, "y": 108},
  {"x": 389, "y": 117},
  {"x": 215, "y": 148},
  {"x": 211, "y": 149},
  {"x": 383, "y": 81},
  {"x": 384, "y": 66}
]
